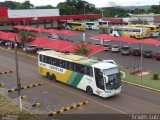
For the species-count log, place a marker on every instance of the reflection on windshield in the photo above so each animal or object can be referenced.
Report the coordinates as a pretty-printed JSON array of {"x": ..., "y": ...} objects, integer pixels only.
[{"x": 114, "y": 81}]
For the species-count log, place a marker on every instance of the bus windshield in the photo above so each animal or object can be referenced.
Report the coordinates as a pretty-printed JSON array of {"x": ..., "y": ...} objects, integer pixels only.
[
  {"x": 89, "y": 23},
  {"x": 112, "y": 78}
]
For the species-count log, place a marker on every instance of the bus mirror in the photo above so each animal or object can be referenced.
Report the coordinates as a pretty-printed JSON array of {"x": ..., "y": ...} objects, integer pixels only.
[
  {"x": 105, "y": 79},
  {"x": 123, "y": 74}
]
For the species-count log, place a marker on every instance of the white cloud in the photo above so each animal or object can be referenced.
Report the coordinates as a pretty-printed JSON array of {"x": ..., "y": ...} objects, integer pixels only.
[{"x": 98, "y": 3}]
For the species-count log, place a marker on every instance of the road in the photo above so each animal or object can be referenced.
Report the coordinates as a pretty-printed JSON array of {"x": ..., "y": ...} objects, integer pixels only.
[{"x": 55, "y": 95}]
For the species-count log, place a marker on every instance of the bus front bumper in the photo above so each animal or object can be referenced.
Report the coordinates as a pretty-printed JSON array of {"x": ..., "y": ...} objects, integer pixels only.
[{"x": 110, "y": 93}]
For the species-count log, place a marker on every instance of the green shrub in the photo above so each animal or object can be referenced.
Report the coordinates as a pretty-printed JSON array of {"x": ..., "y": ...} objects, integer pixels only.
[{"x": 155, "y": 76}]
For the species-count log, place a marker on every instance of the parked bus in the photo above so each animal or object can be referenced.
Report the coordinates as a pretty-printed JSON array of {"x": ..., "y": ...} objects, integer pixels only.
[
  {"x": 75, "y": 26},
  {"x": 94, "y": 76},
  {"x": 154, "y": 30},
  {"x": 92, "y": 25},
  {"x": 104, "y": 23},
  {"x": 130, "y": 31}
]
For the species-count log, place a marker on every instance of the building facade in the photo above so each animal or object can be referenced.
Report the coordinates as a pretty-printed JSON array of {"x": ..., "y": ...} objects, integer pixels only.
[{"x": 46, "y": 18}]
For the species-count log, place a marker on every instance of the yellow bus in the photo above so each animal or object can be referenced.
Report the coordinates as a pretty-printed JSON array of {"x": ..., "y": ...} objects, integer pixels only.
[
  {"x": 75, "y": 26},
  {"x": 97, "y": 77},
  {"x": 154, "y": 30},
  {"x": 130, "y": 31}
]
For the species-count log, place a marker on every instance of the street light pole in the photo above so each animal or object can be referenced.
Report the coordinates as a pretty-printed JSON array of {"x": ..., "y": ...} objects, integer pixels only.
[
  {"x": 141, "y": 60},
  {"x": 17, "y": 75}
]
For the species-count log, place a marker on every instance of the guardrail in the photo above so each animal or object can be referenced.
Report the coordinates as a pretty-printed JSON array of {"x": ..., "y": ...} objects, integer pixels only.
[{"x": 68, "y": 108}]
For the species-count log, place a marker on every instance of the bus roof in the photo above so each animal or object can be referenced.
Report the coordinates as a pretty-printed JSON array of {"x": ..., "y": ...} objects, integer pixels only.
[
  {"x": 70, "y": 57},
  {"x": 79, "y": 59},
  {"x": 129, "y": 27}
]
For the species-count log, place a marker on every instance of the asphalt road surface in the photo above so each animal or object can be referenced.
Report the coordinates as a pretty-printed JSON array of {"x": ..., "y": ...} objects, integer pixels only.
[{"x": 54, "y": 95}]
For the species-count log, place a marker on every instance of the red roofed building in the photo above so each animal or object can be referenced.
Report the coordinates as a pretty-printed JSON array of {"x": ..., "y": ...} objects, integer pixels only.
[
  {"x": 37, "y": 17},
  {"x": 115, "y": 21}
]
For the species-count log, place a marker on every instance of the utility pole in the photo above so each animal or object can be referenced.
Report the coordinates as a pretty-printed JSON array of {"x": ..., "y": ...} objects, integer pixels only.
[
  {"x": 141, "y": 60},
  {"x": 17, "y": 75}
]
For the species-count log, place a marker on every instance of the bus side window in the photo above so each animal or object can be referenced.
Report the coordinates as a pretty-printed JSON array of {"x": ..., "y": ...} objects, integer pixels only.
[
  {"x": 62, "y": 64},
  {"x": 46, "y": 59},
  {"x": 53, "y": 61},
  {"x": 80, "y": 68},
  {"x": 88, "y": 71},
  {"x": 41, "y": 58},
  {"x": 57, "y": 62},
  {"x": 72, "y": 66}
]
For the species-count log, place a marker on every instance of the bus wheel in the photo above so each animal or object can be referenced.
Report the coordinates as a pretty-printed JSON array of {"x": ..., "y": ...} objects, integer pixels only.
[
  {"x": 89, "y": 90},
  {"x": 48, "y": 75},
  {"x": 53, "y": 77}
]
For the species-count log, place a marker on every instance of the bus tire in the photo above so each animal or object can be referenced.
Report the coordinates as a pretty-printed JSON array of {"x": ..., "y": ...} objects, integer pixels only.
[
  {"x": 53, "y": 78},
  {"x": 89, "y": 90},
  {"x": 48, "y": 75}
]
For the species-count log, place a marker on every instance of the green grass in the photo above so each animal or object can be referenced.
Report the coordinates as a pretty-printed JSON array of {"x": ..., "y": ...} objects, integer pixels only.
[{"x": 147, "y": 80}]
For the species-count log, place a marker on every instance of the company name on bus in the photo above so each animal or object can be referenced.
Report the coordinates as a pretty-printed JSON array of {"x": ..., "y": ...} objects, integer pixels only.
[
  {"x": 43, "y": 65},
  {"x": 56, "y": 69}
]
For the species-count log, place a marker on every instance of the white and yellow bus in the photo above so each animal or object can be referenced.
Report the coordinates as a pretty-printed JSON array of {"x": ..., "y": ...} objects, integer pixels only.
[
  {"x": 153, "y": 29},
  {"x": 75, "y": 26},
  {"x": 95, "y": 77},
  {"x": 130, "y": 31}
]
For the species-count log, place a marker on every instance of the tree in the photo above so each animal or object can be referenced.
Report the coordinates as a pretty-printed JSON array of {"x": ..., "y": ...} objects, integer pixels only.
[
  {"x": 45, "y": 7},
  {"x": 139, "y": 21},
  {"x": 154, "y": 9},
  {"x": 26, "y": 37},
  {"x": 81, "y": 48},
  {"x": 9, "y": 4},
  {"x": 25, "y": 5},
  {"x": 66, "y": 9}
]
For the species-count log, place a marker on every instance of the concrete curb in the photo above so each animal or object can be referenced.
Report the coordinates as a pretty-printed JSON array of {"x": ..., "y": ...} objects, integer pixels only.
[
  {"x": 1, "y": 84},
  {"x": 134, "y": 84},
  {"x": 25, "y": 87},
  {"x": 6, "y": 72},
  {"x": 23, "y": 97},
  {"x": 68, "y": 108},
  {"x": 37, "y": 104}
]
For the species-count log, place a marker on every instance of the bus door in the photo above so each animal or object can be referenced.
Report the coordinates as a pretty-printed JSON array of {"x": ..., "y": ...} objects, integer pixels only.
[{"x": 99, "y": 78}]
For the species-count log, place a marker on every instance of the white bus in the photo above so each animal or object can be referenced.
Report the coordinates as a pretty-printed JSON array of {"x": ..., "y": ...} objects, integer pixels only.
[
  {"x": 104, "y": 23},
  {"x": 94, "y": 76},
  {"x": 91, "y": 25}
]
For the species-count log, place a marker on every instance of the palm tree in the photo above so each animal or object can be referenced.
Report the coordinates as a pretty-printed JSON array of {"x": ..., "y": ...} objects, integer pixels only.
[
  {"x": 25, "y": 37},
  {"x": 81, "y": 48}
]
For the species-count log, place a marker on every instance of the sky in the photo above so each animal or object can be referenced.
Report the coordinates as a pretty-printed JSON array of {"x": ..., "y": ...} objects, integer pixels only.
[{"x": 97, "y": 3}]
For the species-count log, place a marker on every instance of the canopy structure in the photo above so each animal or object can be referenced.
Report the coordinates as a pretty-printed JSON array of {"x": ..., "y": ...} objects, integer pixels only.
[
  {"x": 18, "y": 27},
  {"x": 127, "y": 39},
  {"x": 2, "y": 34},
  {"x": 9, "y": 36},
  {"x": 29, "y": 28},
  {"x": 40, "y": 30},
  {"x": 63, "y": 46},
  {"x": 150, "y": 41}
]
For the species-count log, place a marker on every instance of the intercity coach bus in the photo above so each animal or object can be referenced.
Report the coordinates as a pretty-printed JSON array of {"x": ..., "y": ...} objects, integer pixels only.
[
  {"x": 153, "y": 29},
  {"x": 130, "y": 31},
  {"x": 94, "y": 76},
  {"x": 75, "y": 26}
]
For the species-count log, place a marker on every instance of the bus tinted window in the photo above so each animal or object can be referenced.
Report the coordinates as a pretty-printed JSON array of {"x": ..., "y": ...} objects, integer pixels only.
[
  {"x": 89, "y": 23},
  {"x": 87, "y": 70}
]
